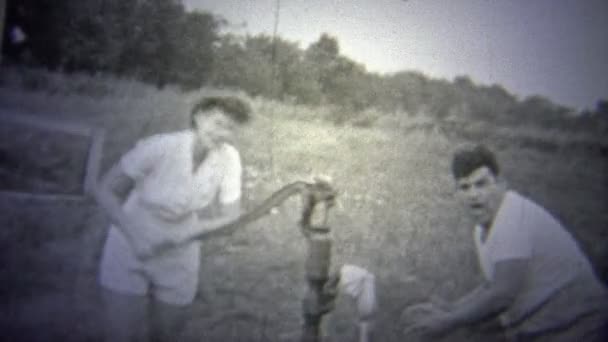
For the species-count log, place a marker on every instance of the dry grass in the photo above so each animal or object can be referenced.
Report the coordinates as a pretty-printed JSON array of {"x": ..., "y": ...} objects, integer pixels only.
[{"x": 395, "y": 216}]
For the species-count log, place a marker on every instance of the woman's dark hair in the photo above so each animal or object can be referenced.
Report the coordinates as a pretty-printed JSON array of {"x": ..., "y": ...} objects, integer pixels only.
[{"x": 235, "y": 108}]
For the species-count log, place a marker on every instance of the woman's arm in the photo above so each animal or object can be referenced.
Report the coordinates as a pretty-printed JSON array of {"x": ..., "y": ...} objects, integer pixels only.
[
  {"x": 220, "y": 225},
  {"x": 110, "y": 194}
]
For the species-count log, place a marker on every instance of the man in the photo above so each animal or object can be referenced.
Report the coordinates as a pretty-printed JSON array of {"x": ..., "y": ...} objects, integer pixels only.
[
  {"x": 153, "y": 197},
  {"x": 537, "y": 280}
]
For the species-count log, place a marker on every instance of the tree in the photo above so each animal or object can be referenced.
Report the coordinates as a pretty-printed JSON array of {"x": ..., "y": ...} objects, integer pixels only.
[
  {"x": 341, "y": 81},
  {"x": 601, "y": 108},
  {"x": 261, "y": 65},
  {"x": 155, "y": 45},
  {"x": 194, "y": 55},
  {"x": 322, "y": 60},
  {"x": 228, "y": 54},
  {"x": 408, "y": 91},
  {"x": 155, "y": 41}
]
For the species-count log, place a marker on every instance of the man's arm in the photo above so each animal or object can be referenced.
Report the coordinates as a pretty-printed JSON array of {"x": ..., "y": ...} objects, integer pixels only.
[
  {"x": 471, "y": 295},
  {"x": 491, "y": 297},
  {"x": 488, "y": 299}
]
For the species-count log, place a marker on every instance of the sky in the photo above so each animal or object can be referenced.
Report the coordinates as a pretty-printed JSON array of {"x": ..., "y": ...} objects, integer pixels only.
[{"x": 553, "y": 48}]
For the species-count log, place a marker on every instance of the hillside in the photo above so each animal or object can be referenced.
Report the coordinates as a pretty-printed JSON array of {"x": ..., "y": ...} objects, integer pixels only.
[{"x": 395, "y": 214}]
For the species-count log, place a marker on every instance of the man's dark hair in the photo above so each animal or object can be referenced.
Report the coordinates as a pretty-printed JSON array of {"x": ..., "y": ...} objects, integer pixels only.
[
  {"x": 235, "y": 108},
  {"x": 470, "y": 158}
]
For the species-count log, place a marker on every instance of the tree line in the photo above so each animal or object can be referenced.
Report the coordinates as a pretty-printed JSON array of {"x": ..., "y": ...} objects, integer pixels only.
[
  {"x": 155, "y": 41},
  {"x": 160, "y": 42}
]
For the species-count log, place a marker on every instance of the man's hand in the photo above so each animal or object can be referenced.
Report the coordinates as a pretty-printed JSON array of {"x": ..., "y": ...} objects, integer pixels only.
[
  {"x": 441, "y": 303},
  {"x": 428, "y": 320}
]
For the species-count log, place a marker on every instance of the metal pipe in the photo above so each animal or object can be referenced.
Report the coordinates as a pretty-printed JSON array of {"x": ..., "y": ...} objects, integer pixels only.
[{"x": 319, "y": 299}]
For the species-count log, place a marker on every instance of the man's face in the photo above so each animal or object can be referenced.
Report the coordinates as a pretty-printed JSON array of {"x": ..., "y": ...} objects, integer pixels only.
[
  {"x": 213, "y": 128},
  {"x": 481, "y": 193}
]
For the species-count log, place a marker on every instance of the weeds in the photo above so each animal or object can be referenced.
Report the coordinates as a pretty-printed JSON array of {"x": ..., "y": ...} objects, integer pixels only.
[{"x": 395, "y": 214}]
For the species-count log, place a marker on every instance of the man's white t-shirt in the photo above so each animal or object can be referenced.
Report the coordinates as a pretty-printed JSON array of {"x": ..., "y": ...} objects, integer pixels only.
[
  {"x": 560, "y": 284},
  {"x": 168, "y": 193}
]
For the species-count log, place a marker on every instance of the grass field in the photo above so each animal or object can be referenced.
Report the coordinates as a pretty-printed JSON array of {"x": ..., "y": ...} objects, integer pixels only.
[{"x": 396, "y": 215}]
